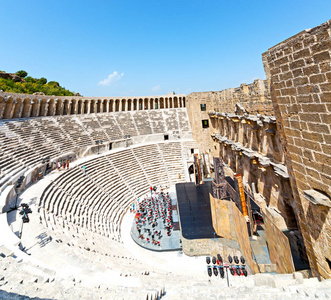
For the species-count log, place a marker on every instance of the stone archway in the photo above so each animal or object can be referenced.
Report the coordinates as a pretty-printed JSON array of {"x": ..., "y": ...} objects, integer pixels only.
[
  {"x": 161, "y": 103},
  {"x": 80, "y": 106},
  {"x": 86, "y": 106},
  {"x": 105, "y": 105},
  {"x": 92, "y": 106},
  {"x": 117, "y": 105},
  {"x": 123, "y": 105},
  {"x": 145, "y": 105},
  {"x": 175, "y": 102},
  {"x": 111, "y": 105},
  {"x": 129, "y": 104}
]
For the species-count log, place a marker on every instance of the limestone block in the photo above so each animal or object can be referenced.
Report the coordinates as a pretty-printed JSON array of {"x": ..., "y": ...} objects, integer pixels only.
[
  {"x": 298, "y": 277},
  {"x": 264, "y": 280}
]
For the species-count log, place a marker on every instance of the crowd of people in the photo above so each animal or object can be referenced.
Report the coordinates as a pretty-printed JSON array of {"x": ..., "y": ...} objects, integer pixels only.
[
  {"x": 154, "y": 216},
  {"x": 64, "y": 164}
]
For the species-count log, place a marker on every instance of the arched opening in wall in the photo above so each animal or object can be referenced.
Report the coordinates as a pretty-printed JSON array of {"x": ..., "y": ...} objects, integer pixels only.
[
  {"x": 180, "y": 102},
  {"x": 170, "y": 103},
  {"x": 175, "y": 102},
  {"x": 161, "y": 103},
  {"x": 79, "y": 110},
  {"x": 8, "y": 108},
  {"x": 129, "y": 104},
  {"x": 184, "y": 104},
  {"x": 117, "y": 105},
  {"x": 92, "y": 107},
  {"x": 135, "y": 104},
  {"x": 140, "y": 104},
  {"x": 156, "y": 105},
  {"x": 66, "y": 107},
  {"x": 86, "y": 104},
  {"x": 111, "y": 105},
  {"x": 34, "y": 109},
  {"x": 73, "y": 107},
  {"x": 99, "y": 106},
  {"x": 50, "y": 107},
  {"x": 123, "y": 102},
  {"x": 145, "y": 103},
  {"x": 151, "y": 106},
  {"x": 104, "y": 105}
]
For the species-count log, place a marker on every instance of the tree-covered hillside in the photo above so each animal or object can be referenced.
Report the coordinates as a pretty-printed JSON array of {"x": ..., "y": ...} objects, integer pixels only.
[{"x": 21, "y": 83}]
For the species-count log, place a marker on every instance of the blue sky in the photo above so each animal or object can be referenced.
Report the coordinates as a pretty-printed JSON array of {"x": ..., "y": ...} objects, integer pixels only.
[{"x": 138, "y": 48}]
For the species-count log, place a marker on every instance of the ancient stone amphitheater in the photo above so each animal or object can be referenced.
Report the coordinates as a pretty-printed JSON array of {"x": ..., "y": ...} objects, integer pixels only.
[{"x": 77, "y": 243}]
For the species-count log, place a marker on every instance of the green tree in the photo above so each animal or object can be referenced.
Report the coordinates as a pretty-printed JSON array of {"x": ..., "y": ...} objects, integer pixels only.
[
  {"x": 53, "y": 84},
  {"x": 30, "y": 79},
  {"x": 42, "y": 80},
  {"x": 22, "y": 73}
]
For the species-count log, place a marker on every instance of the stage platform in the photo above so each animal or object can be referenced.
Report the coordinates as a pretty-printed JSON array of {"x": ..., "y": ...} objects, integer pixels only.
[
  {"x": 167, "y": 243},
  {"x": 194, "y": 210}
]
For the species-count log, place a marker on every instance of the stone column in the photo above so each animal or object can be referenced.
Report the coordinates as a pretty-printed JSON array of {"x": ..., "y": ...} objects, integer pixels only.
[
  {"x": 52, "y": 107},
  {"x": 9, "y": 109},
  {"x": 67, "y": 107},
  {"x": 35, "y": 108},
  {"x": 17, "y": 110},
  {"x": 2, "y": 107},
  {"x": 26, "y": 109}
]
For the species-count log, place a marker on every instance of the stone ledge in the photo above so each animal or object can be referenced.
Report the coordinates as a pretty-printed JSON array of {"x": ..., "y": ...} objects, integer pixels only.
[{"x": 317, "y": 198}]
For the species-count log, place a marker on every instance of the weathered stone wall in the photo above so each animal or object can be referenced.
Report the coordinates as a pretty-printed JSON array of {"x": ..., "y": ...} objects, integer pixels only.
[
  {"x": 14, "y": 105},
  {"x": 251, "y": 146},
  {"x": 279, "y": 247},
  {"x": 220, "y": 215},
  {"x": 229, "y": 222},
  {"x": 253, "y": 98},
  {"x": 299, "y": 73}
]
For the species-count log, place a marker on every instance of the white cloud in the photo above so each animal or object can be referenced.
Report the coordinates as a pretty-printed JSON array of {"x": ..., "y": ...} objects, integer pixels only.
[
  {"x": 156, "y": 88},
  {"x": 111, "y": 78}
]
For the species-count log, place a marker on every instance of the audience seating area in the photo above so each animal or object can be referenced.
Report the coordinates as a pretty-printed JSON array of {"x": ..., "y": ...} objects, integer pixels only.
[
  {"x": 25, "y": 143},
  {"x": 97, "y": 198}
]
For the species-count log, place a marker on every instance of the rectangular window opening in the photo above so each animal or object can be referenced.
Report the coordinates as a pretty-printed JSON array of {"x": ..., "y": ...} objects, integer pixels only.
[{"x": 205, "y": 123}]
